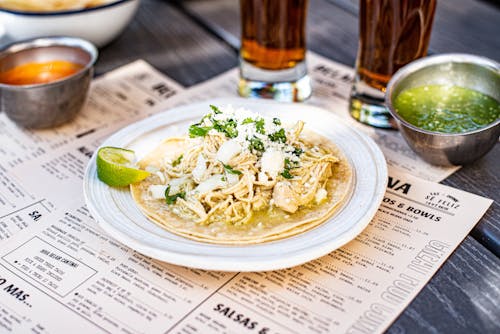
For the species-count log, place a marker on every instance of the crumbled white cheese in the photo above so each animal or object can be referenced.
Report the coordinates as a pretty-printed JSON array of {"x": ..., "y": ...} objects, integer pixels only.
[
  {"x": 320, "y": 195},
  {"x": 272, "y": 162},
  {"x": 157, "y": 191},
  {"x": 228, "y": 150},
  {"x": 248, "y": 131}
]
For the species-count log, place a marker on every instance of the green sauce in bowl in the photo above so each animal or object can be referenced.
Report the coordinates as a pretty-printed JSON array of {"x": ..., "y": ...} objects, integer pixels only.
[{"x": 446, "y": 108}]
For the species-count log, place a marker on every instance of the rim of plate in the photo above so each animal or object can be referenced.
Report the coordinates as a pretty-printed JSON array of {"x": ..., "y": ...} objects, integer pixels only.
[
  {"x": 159, "y": 244},
  {"x": 63, "y": 12}
]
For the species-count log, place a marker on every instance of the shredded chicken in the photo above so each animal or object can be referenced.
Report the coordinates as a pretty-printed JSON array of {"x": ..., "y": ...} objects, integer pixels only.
[{"x": 284, "y": 197}]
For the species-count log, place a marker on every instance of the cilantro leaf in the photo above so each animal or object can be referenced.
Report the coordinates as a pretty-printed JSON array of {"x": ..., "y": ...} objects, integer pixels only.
[
  {"x": 286, "y": 174},
  {"x": 171, "y": 199},
  {"x": 227, "y": 127},
  {"x": 178, "y": 160},
  {"x": 276, "y": 121},
  {"x": 231, "y": 170},
  {"x": 256, "y": 144},
  {"x": 259, "y": 126},
  {"x": 195, "y": 130},
  {"x": 297, "y": 151},
  {"x": 291, "y": 164},
  {"x": 278, "y": 136},
  {"x": 215, "y": 109}
]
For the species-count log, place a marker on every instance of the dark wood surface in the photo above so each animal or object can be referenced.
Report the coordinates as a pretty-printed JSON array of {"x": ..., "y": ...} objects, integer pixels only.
[{"x": 192, "y": 41}]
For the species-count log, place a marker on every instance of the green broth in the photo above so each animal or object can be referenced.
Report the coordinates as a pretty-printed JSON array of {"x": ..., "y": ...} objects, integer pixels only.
[{"x": 446, "y": 108}]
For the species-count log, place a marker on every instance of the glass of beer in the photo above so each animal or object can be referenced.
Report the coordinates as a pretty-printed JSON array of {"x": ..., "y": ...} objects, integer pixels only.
[
  {"x": 273, "y": 50},
  {"x": 392, "y": 33}
]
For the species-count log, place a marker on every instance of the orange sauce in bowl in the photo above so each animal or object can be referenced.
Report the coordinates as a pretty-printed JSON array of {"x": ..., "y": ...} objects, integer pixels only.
[{"x": 39, "y": 73}]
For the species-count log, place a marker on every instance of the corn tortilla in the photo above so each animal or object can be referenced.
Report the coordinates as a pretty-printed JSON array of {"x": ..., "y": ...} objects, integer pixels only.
[{"x": 267, "y": 225}]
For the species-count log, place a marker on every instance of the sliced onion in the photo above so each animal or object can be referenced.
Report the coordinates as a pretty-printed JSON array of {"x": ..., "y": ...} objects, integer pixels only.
[
  {"x": 212, "y": 183},
  {"x": 176, "y": 184},
  {"x": 200, "y": 169},
  {"x": 157, "y": 191},
  {"x": 272, "y": 162},
  {"x": 227, "y": 151}
]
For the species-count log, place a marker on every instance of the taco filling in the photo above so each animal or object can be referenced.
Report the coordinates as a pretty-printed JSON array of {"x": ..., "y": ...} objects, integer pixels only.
[{"x": 240, "y": 177}]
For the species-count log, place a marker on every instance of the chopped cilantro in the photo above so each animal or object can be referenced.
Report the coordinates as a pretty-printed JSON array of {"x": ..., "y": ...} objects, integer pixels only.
[
  {"x": 259, "y": 126},
  {"x": 215, "y": 109},
  {"x": 291, "y": 164},
  {"x": 207, "y": 116},
  {"x": 177, "y": 161},
  {"x": 196, "y": 130},
  {"x": 297, "y": 151},
  {"x": 223, "y": 178},
  {"x": 230, "y": 170},
  {"x": 171, "y": 199},
  {"x": 286, "y": 174},
  {"x": 276, "y": 121},
  {"x": 227, "y": 127},
  {"x": 278, "y": 136},
  {"x": 256, "y": 144}
]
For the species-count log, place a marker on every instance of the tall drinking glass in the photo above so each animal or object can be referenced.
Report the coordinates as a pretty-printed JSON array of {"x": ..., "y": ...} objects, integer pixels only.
[
  {"x": 392, "y": 33},
  {"x": 273, "y": 50}
]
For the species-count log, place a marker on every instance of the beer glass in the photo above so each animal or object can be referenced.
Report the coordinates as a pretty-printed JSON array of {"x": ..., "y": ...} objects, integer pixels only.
[
  {"x": 392, "y": 33},
  {"x": 273, "y": 50}
]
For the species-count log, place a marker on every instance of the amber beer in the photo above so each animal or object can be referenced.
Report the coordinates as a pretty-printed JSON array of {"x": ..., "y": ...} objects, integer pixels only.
[
  {"x": 273, "y": 47},
  {"x": 392, "y": 33},
  {"x": 273, "y": 33}
]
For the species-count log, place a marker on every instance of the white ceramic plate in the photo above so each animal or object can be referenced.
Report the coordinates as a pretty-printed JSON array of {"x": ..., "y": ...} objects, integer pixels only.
[{"x": 118, "y": 215}]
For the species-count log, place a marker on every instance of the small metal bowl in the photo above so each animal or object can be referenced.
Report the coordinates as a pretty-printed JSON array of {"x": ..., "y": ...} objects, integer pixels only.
[
  {"x": 54, "y": 103},
  {"x": 468, "y": 71}
]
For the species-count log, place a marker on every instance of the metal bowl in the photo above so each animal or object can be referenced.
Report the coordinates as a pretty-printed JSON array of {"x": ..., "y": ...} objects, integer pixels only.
[
  {"x": 469, "y": 71},
  {"x": 53, "y": 103}
]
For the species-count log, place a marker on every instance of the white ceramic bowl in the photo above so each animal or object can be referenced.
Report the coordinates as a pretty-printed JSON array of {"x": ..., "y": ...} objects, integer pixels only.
[{"x": 98, "y": 25}]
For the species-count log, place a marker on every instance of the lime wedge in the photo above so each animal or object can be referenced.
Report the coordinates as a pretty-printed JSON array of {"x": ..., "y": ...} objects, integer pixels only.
[{"x": 115, "y": 167}]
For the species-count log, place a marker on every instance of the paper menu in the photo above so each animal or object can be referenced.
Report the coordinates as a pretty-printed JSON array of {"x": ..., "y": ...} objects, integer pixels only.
[
  {"x": 116, "y": 99},
  {"x": 65, "y": 265}
]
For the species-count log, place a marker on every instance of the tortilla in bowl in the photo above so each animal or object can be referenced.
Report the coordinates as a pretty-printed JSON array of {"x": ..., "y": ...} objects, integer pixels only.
[{"x": 241, "y": 178}]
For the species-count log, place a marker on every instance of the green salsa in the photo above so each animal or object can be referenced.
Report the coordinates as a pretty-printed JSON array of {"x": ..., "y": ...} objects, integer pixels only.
[{"x": 446, "y": 108}]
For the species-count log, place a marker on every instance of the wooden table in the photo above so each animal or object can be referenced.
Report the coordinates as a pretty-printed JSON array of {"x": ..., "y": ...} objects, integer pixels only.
[{"x": 192, "y": 41}]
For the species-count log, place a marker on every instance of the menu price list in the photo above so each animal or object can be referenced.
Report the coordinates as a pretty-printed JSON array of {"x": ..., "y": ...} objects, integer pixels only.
[{"x": 106, "y": 283}]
